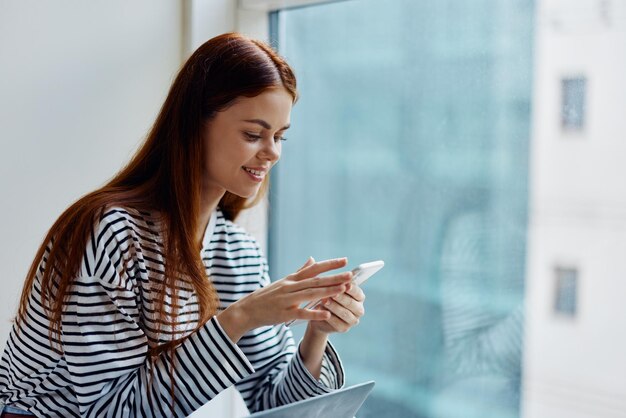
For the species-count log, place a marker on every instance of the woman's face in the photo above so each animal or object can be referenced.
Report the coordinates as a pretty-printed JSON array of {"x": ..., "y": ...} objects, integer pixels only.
[{"x": 243, "y": 142}]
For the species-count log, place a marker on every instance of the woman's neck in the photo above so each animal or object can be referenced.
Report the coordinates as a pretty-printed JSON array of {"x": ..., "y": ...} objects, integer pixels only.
[{"x": 208, "y": 203}]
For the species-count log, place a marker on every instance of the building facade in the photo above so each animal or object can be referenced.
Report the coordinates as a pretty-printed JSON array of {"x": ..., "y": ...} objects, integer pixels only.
[{"x": 575, "y": 336}]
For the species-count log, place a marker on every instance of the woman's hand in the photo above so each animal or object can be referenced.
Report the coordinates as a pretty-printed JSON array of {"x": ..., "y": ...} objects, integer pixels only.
[
  {"x": 346, "y": 309},
  {"x": 280, "y": 301}
]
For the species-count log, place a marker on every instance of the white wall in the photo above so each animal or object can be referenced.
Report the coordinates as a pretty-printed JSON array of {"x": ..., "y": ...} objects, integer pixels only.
[
  {"x": 80, "y": 85},
  {"x": 574, "y": 367}
]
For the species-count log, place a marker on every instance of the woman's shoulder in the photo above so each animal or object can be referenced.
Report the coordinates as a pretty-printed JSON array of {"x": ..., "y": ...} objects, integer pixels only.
[
  {"x": 119, "y": 224},
  {"x": 123, "y": 218},
  {"x": 118, "y": 233},
  {"x": 117, "y": 213}
]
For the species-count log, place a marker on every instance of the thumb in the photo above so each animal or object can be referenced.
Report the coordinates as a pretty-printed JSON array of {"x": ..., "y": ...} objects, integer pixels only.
[{"x": 309, "y": 262}]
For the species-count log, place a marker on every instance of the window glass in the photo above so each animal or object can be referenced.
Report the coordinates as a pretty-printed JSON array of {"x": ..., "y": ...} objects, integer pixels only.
[
  {"x": 410, "y": 144},
  {"x": 573, "y": 113},
  {"x": 566, "y": 291}
]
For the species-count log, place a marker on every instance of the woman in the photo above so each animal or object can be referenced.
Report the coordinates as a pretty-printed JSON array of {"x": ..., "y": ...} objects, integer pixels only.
[{"x": 145, "y": 299}]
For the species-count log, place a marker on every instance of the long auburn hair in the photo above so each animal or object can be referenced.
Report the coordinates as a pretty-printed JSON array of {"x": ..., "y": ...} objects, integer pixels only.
[{"x": 165, "y": 175}]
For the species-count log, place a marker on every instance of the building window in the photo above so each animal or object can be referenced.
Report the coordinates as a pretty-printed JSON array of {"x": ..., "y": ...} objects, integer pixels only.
[
  {"x": 566, "y": 300},
  {"x": 573, "y": 103}
]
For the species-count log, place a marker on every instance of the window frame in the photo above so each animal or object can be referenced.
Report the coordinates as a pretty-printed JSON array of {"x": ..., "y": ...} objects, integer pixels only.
[{"x": 277, "y": 5}]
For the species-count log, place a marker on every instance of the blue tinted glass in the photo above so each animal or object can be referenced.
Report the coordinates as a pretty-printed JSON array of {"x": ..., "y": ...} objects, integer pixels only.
[
  {"x": 573, "y": 112},
  {"x": 410, "y": 144},
  {"x": 566, "y": 291}
]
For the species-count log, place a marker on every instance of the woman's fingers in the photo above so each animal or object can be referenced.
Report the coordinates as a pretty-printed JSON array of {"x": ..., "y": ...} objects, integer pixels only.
[
  {"x": 335, "y": 279},
  {"x": 319, "y": 268},
  {"x": 356, "y": 292},
  {"x": 341, "y": 319},
  {"x": 313, "y": 315},
  {"x": 309, "y": 262},
  {"x": 280, "y": 301},
  {"x": 348, "y": 302},
  {"x": 316, "y": 293}
]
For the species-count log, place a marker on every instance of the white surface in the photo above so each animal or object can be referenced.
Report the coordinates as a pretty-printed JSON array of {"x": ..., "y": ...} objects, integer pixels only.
[
  {"x": 80, "y": 85},
  {"x": 575, "y": 367},
  {"x": 206, "y": 19}
]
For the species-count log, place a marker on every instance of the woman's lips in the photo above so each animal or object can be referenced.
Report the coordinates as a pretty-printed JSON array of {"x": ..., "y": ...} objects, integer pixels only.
[{"x": 253, "y": 176}]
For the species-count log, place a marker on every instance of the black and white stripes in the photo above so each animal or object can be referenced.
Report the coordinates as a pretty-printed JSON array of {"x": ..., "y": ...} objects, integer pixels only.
[{"x": 103, "y": 370}]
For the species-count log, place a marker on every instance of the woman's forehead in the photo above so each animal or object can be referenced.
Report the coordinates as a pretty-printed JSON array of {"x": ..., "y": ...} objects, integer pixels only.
[{"x": 273, "y": 107}]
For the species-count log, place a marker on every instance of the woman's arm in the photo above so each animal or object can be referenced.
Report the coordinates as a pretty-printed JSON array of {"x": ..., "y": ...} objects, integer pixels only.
[
  {"x": 282, "y": 375},
  {"x": 346, "y": 310},
  {"x": 111, "y": 374},
  {"x": 312, "y": 349}
]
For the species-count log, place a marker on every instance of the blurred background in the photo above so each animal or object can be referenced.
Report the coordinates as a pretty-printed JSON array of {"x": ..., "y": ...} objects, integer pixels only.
[{"x": 475, "y": 146}]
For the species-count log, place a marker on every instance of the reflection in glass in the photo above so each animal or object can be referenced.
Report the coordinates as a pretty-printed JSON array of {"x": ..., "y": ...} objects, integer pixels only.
[
  {"x": 573, "y": 111},
  {"x": 410, "y": 144}
]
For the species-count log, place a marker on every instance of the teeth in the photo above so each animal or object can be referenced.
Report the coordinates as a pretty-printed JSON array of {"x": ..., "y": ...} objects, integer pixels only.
[{"x": 255, "y": 172}]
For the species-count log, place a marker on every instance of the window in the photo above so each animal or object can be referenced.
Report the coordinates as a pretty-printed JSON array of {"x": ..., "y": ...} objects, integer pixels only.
[
  {"x": 410, "y": 144},
  {"x": 573, "y": 103},
  {"x": 565, "y": 302}
]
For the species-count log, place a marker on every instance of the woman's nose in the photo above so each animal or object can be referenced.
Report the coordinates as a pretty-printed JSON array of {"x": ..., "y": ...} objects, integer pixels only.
[{"x": 271, "y": 150}]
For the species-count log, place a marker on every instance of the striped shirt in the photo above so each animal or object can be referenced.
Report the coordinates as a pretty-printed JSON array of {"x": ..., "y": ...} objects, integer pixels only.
[{"x": 103, "y": 368}]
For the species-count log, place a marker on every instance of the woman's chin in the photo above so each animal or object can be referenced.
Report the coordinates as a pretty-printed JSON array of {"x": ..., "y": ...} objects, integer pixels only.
[{"x": 245, "y": 194}]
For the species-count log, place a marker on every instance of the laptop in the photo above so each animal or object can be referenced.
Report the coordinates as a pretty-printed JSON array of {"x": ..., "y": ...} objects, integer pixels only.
[{"x": 342, "y": 403}]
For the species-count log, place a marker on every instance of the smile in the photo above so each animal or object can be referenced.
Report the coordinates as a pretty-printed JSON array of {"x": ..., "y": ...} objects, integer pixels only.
[{"x": 256, "y": 175}]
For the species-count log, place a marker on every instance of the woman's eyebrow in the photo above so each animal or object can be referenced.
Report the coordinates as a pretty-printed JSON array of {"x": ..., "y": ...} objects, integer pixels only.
[{"x": 265, "y": 124}]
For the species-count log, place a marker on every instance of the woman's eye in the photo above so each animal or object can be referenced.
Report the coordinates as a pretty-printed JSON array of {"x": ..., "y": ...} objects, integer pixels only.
[
  {"x": 256, "y": 137},
  {"x": 252, "y": 137}
]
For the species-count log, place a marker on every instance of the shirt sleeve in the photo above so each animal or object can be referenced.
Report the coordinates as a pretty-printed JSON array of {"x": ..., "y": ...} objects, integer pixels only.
[
  {"x": 106, "y": 355},
  {"x": 281, "y": 376},
  {"x": 105, "y": 349}
]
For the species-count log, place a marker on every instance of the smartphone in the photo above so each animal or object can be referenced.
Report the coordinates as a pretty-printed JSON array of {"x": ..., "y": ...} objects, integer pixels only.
[{"x": 359, "y": 275}]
